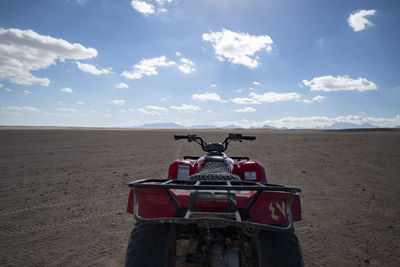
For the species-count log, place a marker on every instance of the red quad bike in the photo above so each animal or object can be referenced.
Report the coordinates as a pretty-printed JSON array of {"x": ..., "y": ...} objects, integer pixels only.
[{"x": 223, "y": 205}]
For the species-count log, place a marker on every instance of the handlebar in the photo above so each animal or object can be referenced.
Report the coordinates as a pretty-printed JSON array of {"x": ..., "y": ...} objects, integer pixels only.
[
  {"x": 217, "y": 147},
  {"x": 239, "y": 137},
  {"x": 178, "y": 137}
]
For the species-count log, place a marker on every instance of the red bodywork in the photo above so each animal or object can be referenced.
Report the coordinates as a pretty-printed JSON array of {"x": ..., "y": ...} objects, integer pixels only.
[
  {"x": 247, "y": 170},
  {"x": 270, "y": 207}
]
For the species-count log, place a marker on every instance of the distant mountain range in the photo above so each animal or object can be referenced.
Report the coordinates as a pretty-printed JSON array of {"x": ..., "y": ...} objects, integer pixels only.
[{"x": 335, "y": 126}]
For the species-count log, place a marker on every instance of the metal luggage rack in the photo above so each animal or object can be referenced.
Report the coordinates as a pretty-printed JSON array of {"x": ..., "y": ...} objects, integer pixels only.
[
  {"x": 213, "y": 191},
  {"x": 235, "y": 158}
]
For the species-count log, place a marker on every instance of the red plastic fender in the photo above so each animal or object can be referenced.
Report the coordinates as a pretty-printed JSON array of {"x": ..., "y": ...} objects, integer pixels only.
[
  {"x": 250, "y": 171},
  {"x": 180, "y": 169},
  {"x": 153, "y": 203}
]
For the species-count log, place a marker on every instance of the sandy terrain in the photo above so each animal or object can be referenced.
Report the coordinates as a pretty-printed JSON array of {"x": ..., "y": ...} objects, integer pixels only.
[{"x": 63, "y": 194}]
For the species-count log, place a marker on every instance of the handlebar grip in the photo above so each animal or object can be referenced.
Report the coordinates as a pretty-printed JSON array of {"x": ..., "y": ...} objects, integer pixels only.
[
  {"x": 177, "y": 137},
  {"x": 251, "y": 138}
]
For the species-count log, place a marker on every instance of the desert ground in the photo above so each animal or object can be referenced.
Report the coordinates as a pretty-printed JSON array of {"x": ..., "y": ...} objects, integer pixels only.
[{"x": 63, "y": 192}]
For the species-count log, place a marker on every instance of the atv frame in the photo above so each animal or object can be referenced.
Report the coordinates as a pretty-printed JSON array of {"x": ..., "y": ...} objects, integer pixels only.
[{"x": 216, "y": 191}]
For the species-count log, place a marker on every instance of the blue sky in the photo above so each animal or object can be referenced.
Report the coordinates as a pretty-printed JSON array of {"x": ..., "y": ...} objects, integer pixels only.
[{"x": 249, "y": 63}]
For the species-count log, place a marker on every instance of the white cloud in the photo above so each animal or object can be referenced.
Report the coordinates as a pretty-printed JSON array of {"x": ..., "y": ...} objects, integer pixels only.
[
  {"x": 146, "y": 8},
  {"x": 24, "y": 51},
  {"x": 340, "y": 83},
  {"x": 119, "y": 102},
  {"x": 187, "y": 66},
  {"x": 178, "y": 54},
  {"x": 122, "y": 110},
  {"x": 121, "y": 85},
  {"x": 314, "y": 99},
  {"x": 213, "y": 85},
  {"x": 27, "y": 92},
  {"x": 269, "y": 97},
  {"x": 15, "y": 110},
  {"x": 67, "y": 90},
  {"x": 153, "y": 110},
  {"x": 131, "y": 110},
  {"x": 143, "y": 7},
  {"x": 318, "y": 98},
  {"x": 186, "y": 108},
  {"x": 244, "y": 100},
  {"x": 246, "y": 109},
  {"x": 256, "y": 83},
  {"x": 316, "y": 121},
  {"x": 80, "y": 103},
  {"x": 81, "y": 2},
  {"x": 92, "y": 69},
  {"x": 71, "y": 110},
  {"x": 357, "y": 20},
  {"x": 208, "y": 97},
  {"x": 147, "y": 67},
  {"x": 237, "y": 47}
]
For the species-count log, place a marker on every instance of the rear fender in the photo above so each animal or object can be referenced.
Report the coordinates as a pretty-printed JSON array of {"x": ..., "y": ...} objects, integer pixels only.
[
  {"x": 154, "y": 203},
  {"x": 250, "y": 171},
  {"x": 181, "y": 169},
  {"x": 269, "y": 206}
]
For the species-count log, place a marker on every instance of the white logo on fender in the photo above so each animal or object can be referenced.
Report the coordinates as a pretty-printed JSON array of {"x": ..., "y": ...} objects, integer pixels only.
[
  {"x": 273, "y": 215},
  {"x": 281, "y": 208}
]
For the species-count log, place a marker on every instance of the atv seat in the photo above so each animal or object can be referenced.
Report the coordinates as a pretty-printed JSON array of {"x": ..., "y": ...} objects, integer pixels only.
[{"x": 212, "y": 158}]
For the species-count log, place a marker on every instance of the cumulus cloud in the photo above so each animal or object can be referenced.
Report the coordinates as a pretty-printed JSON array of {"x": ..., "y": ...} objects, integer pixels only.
[
  {"x": 24, "y": 51},
  {"x": 357, "y": 20},
  {"x": 92, "y": 69},
  {"x": 146, "y": 8},
  {"x": 186, "y": 66},
  {"x": 207, "y": 97},
  {"x": 244, "y": 100},
  {"x": 147, "y": 67},
  {"x": 27, "y": 92},
  {"x": 15, "y": 110},
  {"x": 118, "y": 102},
  {"x": 67, "y": 90},
  {"x": 153, "y": 110},
  {"x": 340, "y": 83},
  {"x": 213, "y": 85},
  {"x": 81, "y": 2},
  {"x": 316, "y": 122},
  {"x": 121, "y": 85},
  {"x": 314, "y": 99},
  {"x": 246, "y": 109},
  {"x": 143, "y": 7},
  {"x": 269, "y": 97},
  {"x": 186, "y": 108},
  {"x": 237, "y": 47},
  {"x": 71, "y": 110},
  {"x": 256, "y": 83}
]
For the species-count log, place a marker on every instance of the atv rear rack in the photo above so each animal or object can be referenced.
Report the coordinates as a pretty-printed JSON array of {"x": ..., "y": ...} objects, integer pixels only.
[{"x": 214, "y": 191}]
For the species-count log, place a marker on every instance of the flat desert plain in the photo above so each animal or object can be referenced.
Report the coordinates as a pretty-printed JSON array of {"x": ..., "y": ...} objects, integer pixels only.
[{"x": 63, "y": 192}]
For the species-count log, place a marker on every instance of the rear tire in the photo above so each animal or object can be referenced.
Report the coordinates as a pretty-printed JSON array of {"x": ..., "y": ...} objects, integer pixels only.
[
  {"x": 279, "y": 249},
  {"x": 151, "y": 245}
]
